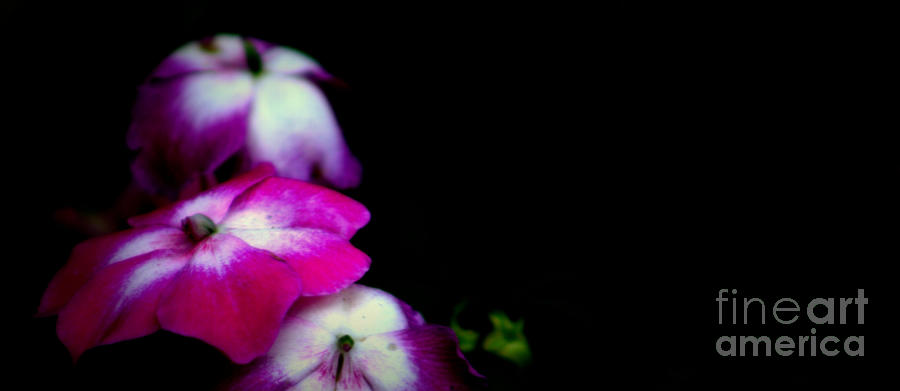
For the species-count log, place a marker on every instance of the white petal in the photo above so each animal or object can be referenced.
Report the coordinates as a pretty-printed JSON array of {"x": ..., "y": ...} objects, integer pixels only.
[
  {"x": 358, "y": 311},
  {"x": 288, "y": 61},
  {"x": 292, "y": 126},
  {"x": 301, "y": 348},
  {"x": 386, "y": 360},
  {"x": 207, "y": 98}
]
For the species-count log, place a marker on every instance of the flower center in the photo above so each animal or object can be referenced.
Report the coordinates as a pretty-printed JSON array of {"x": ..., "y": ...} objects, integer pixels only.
[
  {"x": 345, "y": 343},
  {"x": 198, "y": 227},
  {"x": 254, "y": 60},
  {"x": 208, "y": 45}
]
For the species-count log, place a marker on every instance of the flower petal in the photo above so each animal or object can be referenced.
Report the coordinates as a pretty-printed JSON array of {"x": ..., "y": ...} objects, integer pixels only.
[
  {"x": 119, "y": 303},
  {"x": 358, "y": 311},
  {"x": 219, "y": 52},
  {"x": 325, "y": 262},
  {"x": 287, "y": 203},
  {"x": 292, "y": 126},
  {"x": 280, "y": 59},
  {"x": 92, "y": 255},
  {"x": 188, "y": 126},
  {"x": 387, "y": 354},
  {"x": 417, "y": 358},
  {"x": 231, "y": 296},
  {"x": 301, "y": 349},
  {"x": 213, "y": 203}
]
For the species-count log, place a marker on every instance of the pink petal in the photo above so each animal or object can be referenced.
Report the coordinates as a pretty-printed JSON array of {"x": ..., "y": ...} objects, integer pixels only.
[
  {"x": 325, "y": 262},
  {"x": 287, "y": 203},
  {"x": 231, "y": 296},
  {"x": 213, "y": 203},
  {"x": 188, "y": 126},
  {"x": 292, "y": 126},
  {"x": 92, "y": 255},
  {"x": 220, "y": 52},
  {"x": 417, "y": 358},
  {"x": 119, "y": 303}
]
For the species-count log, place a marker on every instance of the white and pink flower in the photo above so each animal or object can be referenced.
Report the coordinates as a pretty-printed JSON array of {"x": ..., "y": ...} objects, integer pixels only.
[
  {"x": 223, "y": 267},
  {"x": 230, "y": 96},
  {"x": 359, "y": 339}
]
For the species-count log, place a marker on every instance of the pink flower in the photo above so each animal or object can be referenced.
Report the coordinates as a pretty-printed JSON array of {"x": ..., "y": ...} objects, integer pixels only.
[
  {"x": 223, "y": 267},
  {"x": 227, "y": 95},
  {"x": 359, "y": 339}
]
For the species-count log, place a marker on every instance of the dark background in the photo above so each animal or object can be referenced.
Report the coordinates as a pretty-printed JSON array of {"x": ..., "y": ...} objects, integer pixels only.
[{"x": 601, "y": 173}]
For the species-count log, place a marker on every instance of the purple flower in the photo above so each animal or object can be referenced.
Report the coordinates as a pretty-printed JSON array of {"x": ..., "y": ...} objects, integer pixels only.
[
  {"x": 230, "y": 96},
  {"x": 359, "y": 339},
  {"x": 224, "y": 266}
]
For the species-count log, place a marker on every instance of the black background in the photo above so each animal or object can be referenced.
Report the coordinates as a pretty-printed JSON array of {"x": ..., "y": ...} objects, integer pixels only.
[{"x": 601, "y": 173}]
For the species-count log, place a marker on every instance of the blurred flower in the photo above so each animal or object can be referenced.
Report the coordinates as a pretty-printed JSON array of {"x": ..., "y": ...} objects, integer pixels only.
[
  {"x": 223, "y": 267},
  {"x": 507, "y": 340},
  {"x": 359, "y": 339},
  {"x": 227, "y": 95}
]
